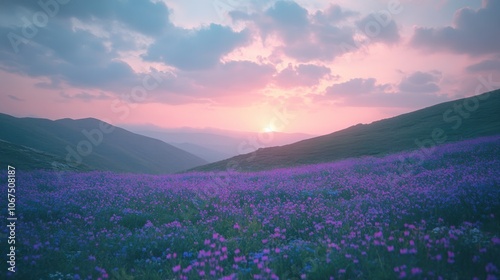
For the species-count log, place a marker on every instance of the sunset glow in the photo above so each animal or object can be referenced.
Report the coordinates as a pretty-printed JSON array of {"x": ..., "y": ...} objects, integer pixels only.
[{"x": 269, "y": 128}]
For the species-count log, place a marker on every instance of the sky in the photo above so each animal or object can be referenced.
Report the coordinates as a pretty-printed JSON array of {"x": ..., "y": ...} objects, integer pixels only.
[{"x": 290, "y": 66}]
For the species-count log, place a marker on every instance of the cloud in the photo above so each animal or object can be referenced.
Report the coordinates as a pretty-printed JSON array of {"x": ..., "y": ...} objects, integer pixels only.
[
  {"x": 489, "y": 65},
  {"x": 65, "y": 55},
  {"x": 233, "y": 79},
  {"x": 143, "y": 16},
  {"x": 54, "y": 83},
  {"x": 85, "y": 96},
  {"x": 322, "y": 35},
  {"x": 356, "y": 86},
  {"x": 474, "y": 32},
  {"x": 75, "y": 57},
  {"x": 288, "y": 18},
  {"x": 303, "y": 75},
  {"x": 234, "y": 76},
  {"x": 379, "y": 29},
  {"x": 308, "y": 38},
  {"x": 361, "y": 92},
  {"x": 288, "y": 13},
  {"x": 15, "y": 98},
  {"x": 196, "y": 49},
  {"x": 305, "y": 37},
  {"x": 323, "y": 43},
  {"x": 334, "y": 14},
  {"x": 419, "y": 82}
]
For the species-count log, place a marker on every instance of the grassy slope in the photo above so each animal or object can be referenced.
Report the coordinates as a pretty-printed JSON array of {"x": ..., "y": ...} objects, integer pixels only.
[
  {"x": 24, "y": 158},
  {"x": 378, "y": 138},
  {"x": 120, "y": 151}
]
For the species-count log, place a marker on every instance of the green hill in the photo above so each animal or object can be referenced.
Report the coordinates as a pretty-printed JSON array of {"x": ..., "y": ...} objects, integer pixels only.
[{"x": 87, "y": 144}]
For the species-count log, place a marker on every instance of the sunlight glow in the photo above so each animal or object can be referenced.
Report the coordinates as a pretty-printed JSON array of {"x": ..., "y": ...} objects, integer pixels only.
[{"x": 269, "y": 128}]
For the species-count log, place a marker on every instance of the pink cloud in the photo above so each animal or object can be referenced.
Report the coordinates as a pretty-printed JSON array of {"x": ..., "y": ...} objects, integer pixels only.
[
  {"x": 471, "y": 33},
  {"x": 302, "y": 75}
]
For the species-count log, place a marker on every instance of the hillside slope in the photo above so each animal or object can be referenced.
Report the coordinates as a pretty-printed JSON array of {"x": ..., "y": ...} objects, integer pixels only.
[{"x": 91, "y": 143}]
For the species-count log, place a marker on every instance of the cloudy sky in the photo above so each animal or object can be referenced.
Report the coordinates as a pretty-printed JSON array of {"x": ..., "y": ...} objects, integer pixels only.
[{"x": 295, "y": 66}]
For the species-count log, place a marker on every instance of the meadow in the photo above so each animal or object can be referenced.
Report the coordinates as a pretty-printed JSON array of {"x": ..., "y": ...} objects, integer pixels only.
[{"x": 352, "y": 219}]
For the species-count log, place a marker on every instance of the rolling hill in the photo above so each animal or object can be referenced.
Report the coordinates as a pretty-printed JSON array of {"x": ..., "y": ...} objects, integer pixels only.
[
  {"x": 445, "y": 122},
  {"x": 25, "y": 158},
  {"x": 87, "y": 144}
]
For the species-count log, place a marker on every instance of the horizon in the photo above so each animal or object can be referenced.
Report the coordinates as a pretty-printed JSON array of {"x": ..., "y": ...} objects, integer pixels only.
[
  {"x": 145, "y": 127},
  {"x": 261, "y": 66}
]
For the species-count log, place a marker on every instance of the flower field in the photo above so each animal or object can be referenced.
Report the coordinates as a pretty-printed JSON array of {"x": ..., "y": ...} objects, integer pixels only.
[{"x": 436, "y": 217}]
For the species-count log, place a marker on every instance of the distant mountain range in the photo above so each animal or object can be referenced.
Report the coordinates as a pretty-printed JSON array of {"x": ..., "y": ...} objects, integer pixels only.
[
  {"x": 216, "y": 144},
  {"x": 86, "y": 144},
  {"x": 446, "y": 122}
]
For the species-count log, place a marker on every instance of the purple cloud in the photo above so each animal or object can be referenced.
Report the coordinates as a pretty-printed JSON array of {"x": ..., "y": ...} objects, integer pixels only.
[
  {"x": 473, "y": 32},
  {"x": 421, "y": 82},
  {"x": 305, "y": 37},
  {"x": 303, "y": 75},
  {"x": 196, "y": 49},
  {"x": 361, "y": 92},
  {"x": 489, "y": 65},
  {"x": 85, "y": 96},
  {"x": 357, "y": 86},
  {"x": 334, "y": 13},
  {"x": 233, "y": 79},
  {"x": 379, "y": 29},
  {"x": 15, "y": 98}
]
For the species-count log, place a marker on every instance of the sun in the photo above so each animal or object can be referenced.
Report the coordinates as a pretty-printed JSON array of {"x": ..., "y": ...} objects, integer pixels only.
[{"x": 269, "y": 128}]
